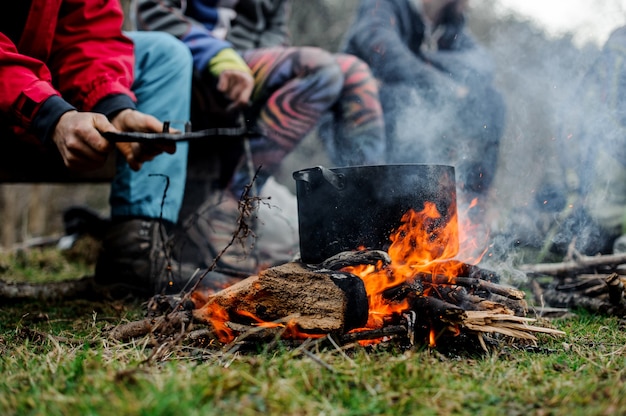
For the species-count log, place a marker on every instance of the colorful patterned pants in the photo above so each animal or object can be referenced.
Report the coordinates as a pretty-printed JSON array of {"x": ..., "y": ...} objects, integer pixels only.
[{"x": 300, "y": 88}]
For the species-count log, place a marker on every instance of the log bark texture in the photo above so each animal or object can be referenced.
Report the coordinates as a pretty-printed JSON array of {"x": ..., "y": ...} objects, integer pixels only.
[{"x": 318, "y": 301}]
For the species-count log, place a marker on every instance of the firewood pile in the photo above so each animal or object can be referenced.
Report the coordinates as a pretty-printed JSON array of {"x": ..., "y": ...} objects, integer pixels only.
[
  {"x": 592, "y": 283},
  {"x": 297, "y": 301}
]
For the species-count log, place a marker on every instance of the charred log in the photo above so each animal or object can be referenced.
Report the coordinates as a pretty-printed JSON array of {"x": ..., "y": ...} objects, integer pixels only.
[
  {"x": 355, "y": 258},
  {"x": 437, "y": 310},
  {"x": 485, "y": 288},
  {"x": 373, "y": 334},
  {"x": 475, "y": 272}
]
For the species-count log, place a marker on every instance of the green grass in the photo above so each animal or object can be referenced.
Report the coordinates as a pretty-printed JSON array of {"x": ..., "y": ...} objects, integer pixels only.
[{"x": 55, "y": 360}]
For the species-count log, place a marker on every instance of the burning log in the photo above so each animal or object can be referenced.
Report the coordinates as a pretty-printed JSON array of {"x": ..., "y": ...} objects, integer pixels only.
[
  {"x": 473, "y": 283},
  {"x": 438, "y": 310},
  {"x": 443, "y": 305},
  {"x": 387, "y": 331},
  {"x": 355, "y": 258},
  {"x": 492, "y": 308},
  {"x": 468, "y": 292},
  {"x": 318, "y": 300}
]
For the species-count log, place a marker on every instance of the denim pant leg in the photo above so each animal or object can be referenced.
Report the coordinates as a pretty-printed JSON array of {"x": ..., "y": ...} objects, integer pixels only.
[{"x": 163, "y": 70}]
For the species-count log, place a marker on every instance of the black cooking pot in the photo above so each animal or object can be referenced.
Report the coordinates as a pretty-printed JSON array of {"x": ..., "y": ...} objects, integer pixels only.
[{"x": 347, "y": 208}]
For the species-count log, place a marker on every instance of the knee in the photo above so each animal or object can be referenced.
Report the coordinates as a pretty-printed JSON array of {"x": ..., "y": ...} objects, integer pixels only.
[
  {"x": 331, "y": 78},
  {"x": 173, "y": 51},
  {"x": 353, "y": 66},
  {"x": 323, "y": 65},
  {"x": 311, "y": 56},
  {"x": 162, "y": 50}
]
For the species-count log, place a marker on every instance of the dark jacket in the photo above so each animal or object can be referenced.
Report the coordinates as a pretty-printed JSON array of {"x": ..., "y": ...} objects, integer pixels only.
[
  {"x": 260, "y": 24},
  {"x": 70, "y": 54},
  {"x": 390, "y": 36}
]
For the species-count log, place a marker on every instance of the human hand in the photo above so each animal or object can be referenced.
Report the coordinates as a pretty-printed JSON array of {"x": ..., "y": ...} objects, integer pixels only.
[
  {"x": 237, "y": 86},
  {"x": 138, "y": 153},
  {"x": 77, "y": 136}
]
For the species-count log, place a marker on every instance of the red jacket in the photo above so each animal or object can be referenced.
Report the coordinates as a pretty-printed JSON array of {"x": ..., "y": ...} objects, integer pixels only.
[{"x": 69, "y": 48}]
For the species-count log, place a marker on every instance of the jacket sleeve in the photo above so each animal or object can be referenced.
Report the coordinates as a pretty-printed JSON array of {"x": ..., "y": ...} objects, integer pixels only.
[
  {"x": 25, "y": 84},
  {"x": 169, "y": 16},
  {"x": 91, "y": 58}
]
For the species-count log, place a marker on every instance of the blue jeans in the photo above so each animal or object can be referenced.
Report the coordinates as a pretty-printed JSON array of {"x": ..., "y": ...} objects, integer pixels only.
[{"x": 163, "y": 70}]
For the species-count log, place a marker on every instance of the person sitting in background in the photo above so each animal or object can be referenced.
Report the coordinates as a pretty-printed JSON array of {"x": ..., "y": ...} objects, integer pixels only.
[
  {"x": 588, "y": 192},
  {"x": 295, "y": 87},
  {"x": 436, "y": 87},
  {"x": 69, "y": 74}
]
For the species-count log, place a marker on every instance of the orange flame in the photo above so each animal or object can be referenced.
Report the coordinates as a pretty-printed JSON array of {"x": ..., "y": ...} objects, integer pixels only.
[
  {"x": 218, "y": 316},
  {"x": 432, "y": 338},
  {"x": 292, "y": 330},
  {"x": 425, "y": 242}
]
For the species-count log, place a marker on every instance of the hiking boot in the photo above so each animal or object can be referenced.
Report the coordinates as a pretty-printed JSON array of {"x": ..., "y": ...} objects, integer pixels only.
[
  {"x": 135, "y": 257},
  {"x": 218, "y": 229}
]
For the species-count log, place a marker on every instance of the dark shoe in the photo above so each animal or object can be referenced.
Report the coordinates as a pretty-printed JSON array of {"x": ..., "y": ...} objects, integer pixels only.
[{"x": 135, "y": 257}]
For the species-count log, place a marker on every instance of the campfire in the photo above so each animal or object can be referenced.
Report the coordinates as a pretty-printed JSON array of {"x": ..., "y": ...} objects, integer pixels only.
[{"x": 415, "y": 291}]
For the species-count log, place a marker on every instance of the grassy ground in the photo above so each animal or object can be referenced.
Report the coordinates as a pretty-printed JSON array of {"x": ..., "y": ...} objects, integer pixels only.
[{"x": 55, "y": 360}]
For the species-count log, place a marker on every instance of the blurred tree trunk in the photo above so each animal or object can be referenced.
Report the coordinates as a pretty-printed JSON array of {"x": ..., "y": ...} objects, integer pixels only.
[{"x": 8, "y": 211}]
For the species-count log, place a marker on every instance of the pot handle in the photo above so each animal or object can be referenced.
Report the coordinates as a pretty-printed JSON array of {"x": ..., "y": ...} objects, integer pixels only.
[{"x": 337, "y": 180}]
